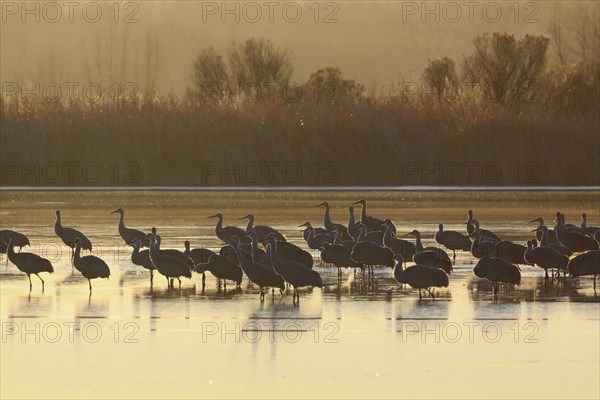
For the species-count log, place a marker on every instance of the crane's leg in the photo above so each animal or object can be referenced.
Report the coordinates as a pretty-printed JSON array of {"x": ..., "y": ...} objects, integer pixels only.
[
  {"x": 262, "y": 295},
  {"x": 90, "y": 283},
  {"x": 30, "y": 286},
  {"x": 454, "y": 251},
  {"x": 595, "y": 282},
  {"x": 151, "y": 278},
  {"x": 224, "y": 285},
  {"x": 431, "y": 293},
  {"x": 420, "y": 295},
  {"x": 168, "y": 283},
  {"x": 495, "y": 290},
  {"x": 42, "y": 282},
  {"x": 179, "y": 283},
  {"x": 203, "y": 280}
]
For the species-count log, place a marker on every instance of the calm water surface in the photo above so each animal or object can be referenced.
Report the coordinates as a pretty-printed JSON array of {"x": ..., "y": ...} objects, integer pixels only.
[{"x": 348, "y": 340}]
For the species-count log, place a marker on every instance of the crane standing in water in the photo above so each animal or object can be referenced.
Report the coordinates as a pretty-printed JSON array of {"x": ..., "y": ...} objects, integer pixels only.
[
  {"x": 91, "y": 267},
  {"x": 28, "y": 262},
  {"x": 129, "y": 234},
  {"x": 68, "y": 236}
]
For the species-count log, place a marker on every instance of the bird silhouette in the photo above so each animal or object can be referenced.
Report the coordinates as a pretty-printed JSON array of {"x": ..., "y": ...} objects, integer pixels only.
[
  {"x": 91, "y": 267},
  {"x": 28, "y": 262}
]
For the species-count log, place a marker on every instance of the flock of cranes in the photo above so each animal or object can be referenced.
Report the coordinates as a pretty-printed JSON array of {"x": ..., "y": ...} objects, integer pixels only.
[{"x": 270, "y": 261}]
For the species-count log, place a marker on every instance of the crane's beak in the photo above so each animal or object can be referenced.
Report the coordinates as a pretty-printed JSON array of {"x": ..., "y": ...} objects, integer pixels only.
[
  {"x": 114, "y": 212},
  {"x": 320, "y": 205},
  {"x": 212, "y": 216},
  {"x": 533, "y": 220},
  {"x": 246, "y": 217}
]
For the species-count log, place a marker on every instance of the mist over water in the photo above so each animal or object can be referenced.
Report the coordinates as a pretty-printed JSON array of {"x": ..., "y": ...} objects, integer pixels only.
[{"x": 377, "y": 43}]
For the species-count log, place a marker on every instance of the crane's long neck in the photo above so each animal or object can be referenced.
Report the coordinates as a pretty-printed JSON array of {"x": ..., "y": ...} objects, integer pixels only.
[
  {"x": 57, "y": 225},
  {"x": 364, "y": 211},
  {"x": 153, "y": 252},
  {"x": 387, "y": 236},
  {"x": 351, "y": 221},
  {"x": 470, "y": 218},
  {"x": 136, "y": 249},
  {"x": 122, "y": 221},
  {"x": 77, "y": 255},
  {"x": 583, "y": 221},
  {"x": 250, "y": 224},
  {"x": 544, "y": 239},
  {"x": 10, "y": 251},
  {"x": 326, "y": 219},
  {"x": 419, "y": 244},
  {"x": 255, "y": 252},
  {"x": 311, "y": 233},
  {"x": 362, "y": 234},
  {"x": 338, "y": 237},
  {"x": 187, "y": 250},
  {"x": 219, "y": 226},
  {"x": 273, "y": 253}
]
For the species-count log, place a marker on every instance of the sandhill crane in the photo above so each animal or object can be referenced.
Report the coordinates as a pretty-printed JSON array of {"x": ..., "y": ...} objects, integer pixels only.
[
  {"x": 511, "y": 252},
  {"x": 19, "y": 240},
  {"x": 174, "y": 253},
  {"x": 473, "y": 225},
  {"x": 349, "y": 244},
  {"x": 262, "y": 231},
  {"x": 259, "y": 274},
  {"x": 371, "y": 254},
  {"x": 403, "y": 247},
  {"x": 452, "y": 240},
  {"x": 369, "y": 236},
  {"x": 313, "y": 241},
  {"x": 198, "y": 256},
  {"x": 551, "y": 234},
  {"x": 591, "y": 230},
  {"x": 545, "y": 257},
  {"x": 223, "y": 266},
  {"x": 430, "y": 256},
  {"x": 497, "y": 270},
  {"x": 372, "y": 223},
  {"x": 338, "y": 255},
  {"x": 352, "y": 224},
  {"x": 587, "y": 263},
  {"x": 68, "y": 236},
  {"x": 258, "y": 255},
  {"x": 293, "y": 272},
  {"x": 575, "y": 241},
  {"x": 420, "y": 277},
  {"x": 91, "y": 267},
  {"x": 290, "y": 252},
  {"x": 225, "y": 233},
  {"x": 330, "y": 226},
  {"x": 28, "y": 262},
  {"x": 129, "y": 234},
  {"x": 481, "y": 248},
  {"x": 542, "y": 232},
  {"x": 166, "y": 263},
  {"x": 142, "y": 258}
]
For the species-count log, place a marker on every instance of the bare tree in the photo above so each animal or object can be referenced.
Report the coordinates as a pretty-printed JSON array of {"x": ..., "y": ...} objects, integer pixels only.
[
  {"x": 506, "y": 66},
  {"x": 440, "y": 74},
  {"x": 258, "y": 62},
  {"x": 328, "y": 85},
  {"x": 209, "y": 74}
]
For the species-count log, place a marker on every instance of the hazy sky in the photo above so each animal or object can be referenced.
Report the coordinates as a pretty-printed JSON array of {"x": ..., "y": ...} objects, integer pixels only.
[{"x": 371, "y": 41}]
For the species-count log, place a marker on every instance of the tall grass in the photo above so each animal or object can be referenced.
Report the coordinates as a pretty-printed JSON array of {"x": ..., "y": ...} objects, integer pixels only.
[{"x": 386, "y": 140}]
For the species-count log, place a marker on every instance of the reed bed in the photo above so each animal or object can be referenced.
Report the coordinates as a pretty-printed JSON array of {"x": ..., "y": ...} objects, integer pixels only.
[{"x": 384, "y": 140}]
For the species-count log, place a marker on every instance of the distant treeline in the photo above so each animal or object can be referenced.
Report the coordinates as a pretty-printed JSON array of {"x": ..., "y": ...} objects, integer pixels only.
[{"x": 503, "y": 119}]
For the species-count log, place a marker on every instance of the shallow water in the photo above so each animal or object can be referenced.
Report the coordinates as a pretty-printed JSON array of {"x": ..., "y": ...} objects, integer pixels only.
[{"x": 355, "y": 339}]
